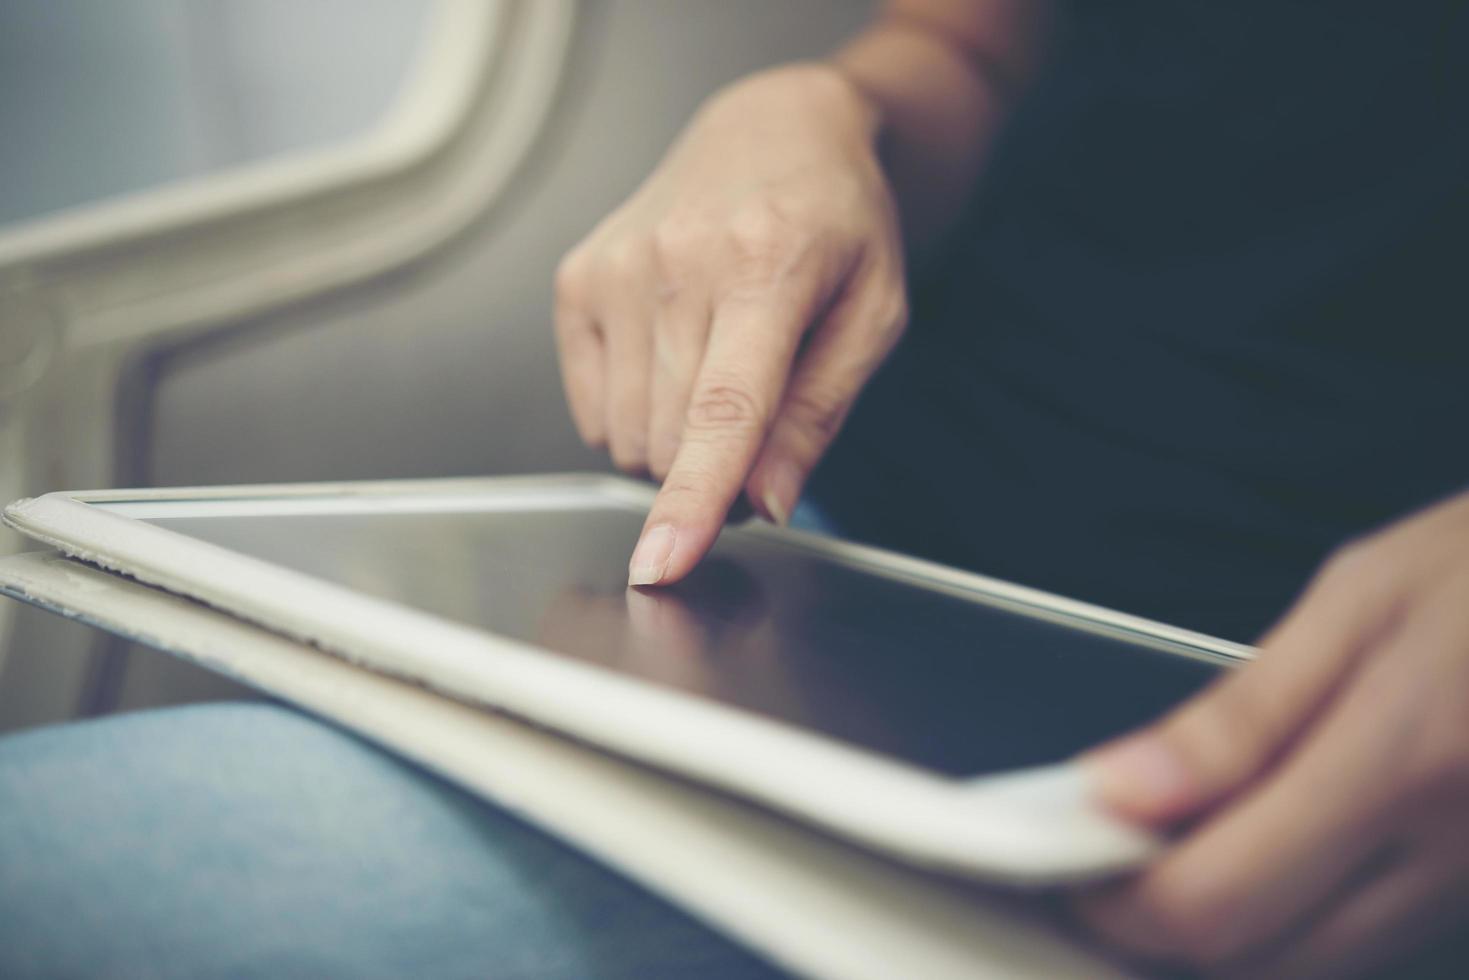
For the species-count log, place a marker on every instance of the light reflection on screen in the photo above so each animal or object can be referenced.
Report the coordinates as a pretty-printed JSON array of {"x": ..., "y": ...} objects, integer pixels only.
[{"x": 774, "y": 629}]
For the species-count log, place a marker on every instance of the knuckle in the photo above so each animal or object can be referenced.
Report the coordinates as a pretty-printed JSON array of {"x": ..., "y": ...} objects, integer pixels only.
[
  {"x": 887, "y": 323},
  {"x": 677, "y": 246},
  {"x": 628, "y": 457},
  {"x": 571, "y": 278},
  {"x": 678, "y": 239},
  {"x": 895, "y": 315},
  {"x": 627, "y": 441},
  {"x": 662, "y": 451},
  {"x": 1192, "y": 920},
  {"x": 1360, "y": 569},
  {"x": 1229, "y": 729},
  {"x": 762, "y": 234},
  {"x": 817, "y": 412},
  {"x": 686, "y": 488},
  {"x": 1437, "y": 765},
  {"x": 724, "y": 407},
  {"x": 623, "y": 261},
  {"x": 848, "y": 189},
  {"x": 1356, "y": 562}
]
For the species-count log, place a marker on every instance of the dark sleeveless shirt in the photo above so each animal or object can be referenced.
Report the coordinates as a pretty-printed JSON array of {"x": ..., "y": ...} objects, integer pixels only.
[{"x": 1207, "y": 318}]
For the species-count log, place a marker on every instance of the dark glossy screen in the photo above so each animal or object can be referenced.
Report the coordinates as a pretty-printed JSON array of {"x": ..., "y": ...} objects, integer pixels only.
[{"x": 897, "y": 668}]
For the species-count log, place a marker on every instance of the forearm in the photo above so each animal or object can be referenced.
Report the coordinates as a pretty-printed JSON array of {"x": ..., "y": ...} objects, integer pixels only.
[{"x": 941, "y": 75}]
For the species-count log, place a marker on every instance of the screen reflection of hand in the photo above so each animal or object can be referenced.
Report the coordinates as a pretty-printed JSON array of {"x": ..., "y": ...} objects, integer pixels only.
[{"x": 688, "y": 636}]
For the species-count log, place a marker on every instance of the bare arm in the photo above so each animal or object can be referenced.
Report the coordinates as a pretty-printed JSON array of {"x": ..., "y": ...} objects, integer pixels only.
[{"x": 941, "y": 74}]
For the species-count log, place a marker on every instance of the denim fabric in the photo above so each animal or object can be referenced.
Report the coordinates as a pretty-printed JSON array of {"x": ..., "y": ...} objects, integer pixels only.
[
  {"x": 809, "y": 517},
  {"x": 252, "y": 841}
]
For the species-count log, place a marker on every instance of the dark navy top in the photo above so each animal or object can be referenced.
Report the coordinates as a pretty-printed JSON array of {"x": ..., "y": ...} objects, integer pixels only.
[{"x": 1207, "y": 318}]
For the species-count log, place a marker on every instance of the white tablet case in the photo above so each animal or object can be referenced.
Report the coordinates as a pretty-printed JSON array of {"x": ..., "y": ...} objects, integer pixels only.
[
  {"x": 1034, "y": 826},
  {"x": 807, "y": 902}
]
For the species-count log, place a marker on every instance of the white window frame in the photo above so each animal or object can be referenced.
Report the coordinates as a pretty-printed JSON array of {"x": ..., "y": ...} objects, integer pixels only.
[{"x": 84, "y": 293}]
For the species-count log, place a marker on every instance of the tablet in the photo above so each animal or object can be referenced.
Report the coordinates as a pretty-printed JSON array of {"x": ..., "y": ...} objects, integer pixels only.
[
  {"x": 861, "y": 917},
  {"x": 918, "y": 710}
]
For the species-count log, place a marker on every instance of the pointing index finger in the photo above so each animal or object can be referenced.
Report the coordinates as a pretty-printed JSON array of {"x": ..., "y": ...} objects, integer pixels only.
[{"x": 751, "y": 346}]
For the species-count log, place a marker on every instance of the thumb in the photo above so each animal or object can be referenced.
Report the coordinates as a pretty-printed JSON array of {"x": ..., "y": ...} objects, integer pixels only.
[{"x": 1207, "y": 750}]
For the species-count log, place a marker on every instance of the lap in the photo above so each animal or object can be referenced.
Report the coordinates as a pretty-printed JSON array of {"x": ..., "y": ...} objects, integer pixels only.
[{"x": 250, "y": 840}]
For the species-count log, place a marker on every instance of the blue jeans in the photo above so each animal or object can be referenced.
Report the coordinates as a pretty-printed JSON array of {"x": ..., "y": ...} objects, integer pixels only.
[{"x": 247, "y": 840}]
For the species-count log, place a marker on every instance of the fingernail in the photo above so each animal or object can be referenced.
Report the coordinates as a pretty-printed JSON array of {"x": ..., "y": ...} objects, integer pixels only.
[
  {"x": 1141, "y": 775},
  {"x": 773, "y": 507},
  {"x": 782, "y": 489},
  {"x": 650, "y": 557}
]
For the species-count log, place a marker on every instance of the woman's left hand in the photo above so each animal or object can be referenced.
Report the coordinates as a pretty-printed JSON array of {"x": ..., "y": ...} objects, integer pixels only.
[{"x": 1322, "y": 791}]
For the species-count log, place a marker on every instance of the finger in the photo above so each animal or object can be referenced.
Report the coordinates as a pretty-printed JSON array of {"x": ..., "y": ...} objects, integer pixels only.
[
  {"x": 628, "y": 321},
  {"x": 1281, "y": 850},
  {"x": 841, "y": 355},
  {"x": 680, "y": 334},
  {"x": 1201, "y": 753},
  {"x": 582, "y": 359},
  {"x": 751, "y": 345},
  {"x": 1403, "y": 910}
]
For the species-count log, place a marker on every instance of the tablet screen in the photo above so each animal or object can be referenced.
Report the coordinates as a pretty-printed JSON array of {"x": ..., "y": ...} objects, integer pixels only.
[{"x": 940, "y": 681}]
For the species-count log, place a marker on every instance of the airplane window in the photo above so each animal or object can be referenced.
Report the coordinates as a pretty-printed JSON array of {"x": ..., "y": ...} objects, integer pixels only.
[{"x": 102, "y": 99}]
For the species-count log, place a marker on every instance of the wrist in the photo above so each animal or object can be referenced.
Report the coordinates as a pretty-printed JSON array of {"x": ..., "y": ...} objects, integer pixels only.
[
  {"x": 847, "y": 87},
  {"x": 819, "y": 88}
]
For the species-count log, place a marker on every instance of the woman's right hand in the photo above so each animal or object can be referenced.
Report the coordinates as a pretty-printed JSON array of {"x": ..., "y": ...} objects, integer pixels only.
[{"x": 716, "y": 328}]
